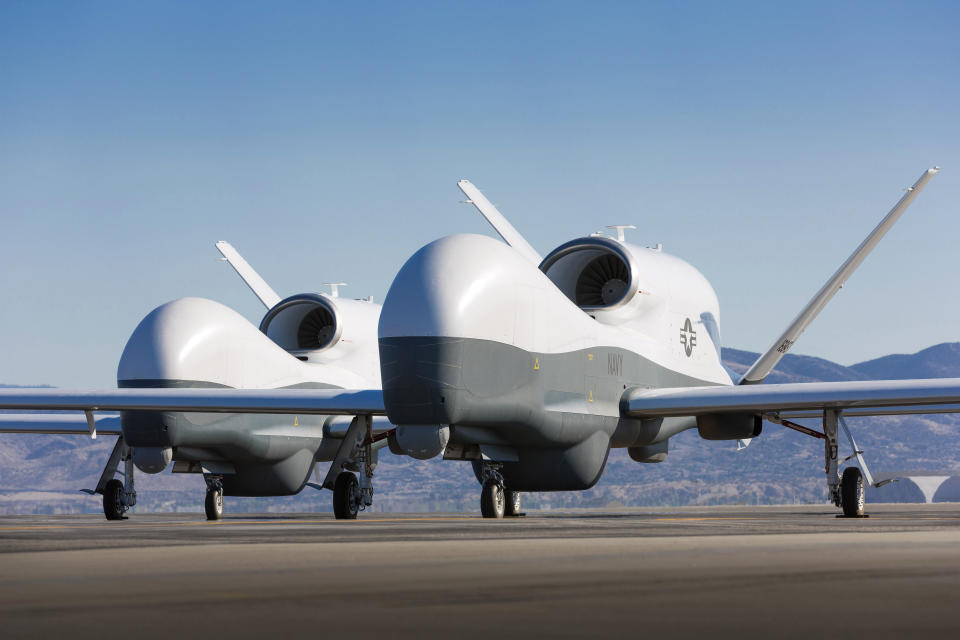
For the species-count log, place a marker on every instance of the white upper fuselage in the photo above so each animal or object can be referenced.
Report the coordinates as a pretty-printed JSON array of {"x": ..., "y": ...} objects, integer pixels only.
[
  {"x": 199, "y": 342},
  {"x": 472, "y": 286}
]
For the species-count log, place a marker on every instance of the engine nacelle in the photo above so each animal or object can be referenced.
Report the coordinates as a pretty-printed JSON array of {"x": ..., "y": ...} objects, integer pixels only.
[
  {"x": 620, "y": 283},
  {"x": 304, "y": 322},
  {"x": 729, "y": 426},
  {"x": 318, "y": 327},
  {"x": 596, "y": 273}
]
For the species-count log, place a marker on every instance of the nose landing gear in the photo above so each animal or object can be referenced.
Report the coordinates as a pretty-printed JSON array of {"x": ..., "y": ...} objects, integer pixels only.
[
  {"x": 514, "y": 503},
  {"x": 213, "y": 504},
  {"x": 496, "y": 501},
  {"x": 492, "y": 502}
]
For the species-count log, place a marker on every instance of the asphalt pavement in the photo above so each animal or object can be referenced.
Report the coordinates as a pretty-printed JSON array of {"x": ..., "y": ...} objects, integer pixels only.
[{"x": 715, "y": 571}]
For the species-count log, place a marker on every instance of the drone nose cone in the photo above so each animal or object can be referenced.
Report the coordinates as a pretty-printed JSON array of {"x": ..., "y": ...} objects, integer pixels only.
[
  {"x": 453, "y": 331},
  {"x": 458, "y": 286},
  {"x": 195, "y": 342},
  {"x": 191, "y": 342}
]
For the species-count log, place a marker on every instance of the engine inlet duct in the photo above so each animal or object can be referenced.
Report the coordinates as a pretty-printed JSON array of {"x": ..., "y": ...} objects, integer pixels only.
[
  {"x": 594, "y": 272},
  {"x": 307, "y": 321},
  {"x": 602, "y": 282},
  {"x": 316, "y": 329}
]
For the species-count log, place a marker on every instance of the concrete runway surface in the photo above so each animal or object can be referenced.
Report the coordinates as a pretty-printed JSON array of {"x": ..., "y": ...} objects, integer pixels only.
[{"x": 713, "y": 572}]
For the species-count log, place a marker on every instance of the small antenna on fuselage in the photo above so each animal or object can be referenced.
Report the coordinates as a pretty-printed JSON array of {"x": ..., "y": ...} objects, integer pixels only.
[
  {"x": 334, "y": 288},
  {"x": 620, "y": 230}
]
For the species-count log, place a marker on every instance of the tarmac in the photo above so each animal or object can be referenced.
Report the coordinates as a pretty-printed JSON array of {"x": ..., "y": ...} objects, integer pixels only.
[{"x": 714, "y": 571}]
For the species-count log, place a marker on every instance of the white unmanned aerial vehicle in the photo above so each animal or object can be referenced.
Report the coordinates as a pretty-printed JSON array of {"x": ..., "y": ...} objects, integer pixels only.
[
  {"x": 531, "y": 368},
  {"x": 305, "y": 341}
]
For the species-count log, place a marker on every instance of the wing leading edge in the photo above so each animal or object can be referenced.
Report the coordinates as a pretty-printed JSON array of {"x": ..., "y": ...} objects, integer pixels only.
[
  {"x": 874, "y": 397},
  {"x": 305, "y": 401}
]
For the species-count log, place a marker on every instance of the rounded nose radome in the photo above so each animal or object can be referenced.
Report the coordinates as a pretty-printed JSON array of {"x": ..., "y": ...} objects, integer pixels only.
[
  {"x": 199, "y": 342},
  {"x": 443, "y": 290},
  {"x": 467, "y": 286},
  {"x": 464, "y": 321}
]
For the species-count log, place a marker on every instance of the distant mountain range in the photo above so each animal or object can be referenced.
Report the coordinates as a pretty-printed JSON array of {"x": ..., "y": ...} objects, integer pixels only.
[
  {"x": 41, "y": 474},
  {"x": 938, "y": 361}
]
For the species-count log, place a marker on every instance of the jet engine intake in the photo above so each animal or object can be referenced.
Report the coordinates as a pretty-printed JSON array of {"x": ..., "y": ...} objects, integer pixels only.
[
  {"x": 729, "y": 426},
  {"x": 594, "y": 273},
  {"x": 304, "y": 322}
]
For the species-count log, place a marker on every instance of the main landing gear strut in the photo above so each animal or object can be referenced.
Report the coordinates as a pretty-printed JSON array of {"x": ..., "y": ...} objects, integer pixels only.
[
  {"x": 118, "y": 496},
  {"x": 496, "y": 501},
  {"x": 351, "y": 474},
  {"x": 847, "y": 491}
]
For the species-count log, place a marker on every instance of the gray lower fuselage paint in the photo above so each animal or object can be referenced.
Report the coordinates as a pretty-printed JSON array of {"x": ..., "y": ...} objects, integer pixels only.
[
  {"x": 559, "y": 411},
  {"x": 273, "y": 454}
]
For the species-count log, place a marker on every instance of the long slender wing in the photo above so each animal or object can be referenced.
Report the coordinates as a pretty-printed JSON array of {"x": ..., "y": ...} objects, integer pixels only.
[
  {"x": 56, "y": 423},
  {"x": 304, "y": 401},
  {"x": 766, "y": 362},
  {"x": 499, "y": 222},
  {"x": 896, "y": 396},
  {"x": 258, "y": 285}
]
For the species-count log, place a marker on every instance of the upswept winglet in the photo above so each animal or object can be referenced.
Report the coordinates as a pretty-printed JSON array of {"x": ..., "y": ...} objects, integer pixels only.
[{"x": 760, "y": 369}]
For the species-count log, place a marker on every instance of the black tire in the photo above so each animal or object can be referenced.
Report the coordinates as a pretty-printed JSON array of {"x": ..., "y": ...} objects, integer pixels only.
[
  {"x": 852, "y": 493},
  {"x": 492, "y": 501},
  {"x": 346, "y": 496},
  {"x": 113, "y": 500},
  {"x": 213, "y": 504},
  {"x": 512, "y": 503}
]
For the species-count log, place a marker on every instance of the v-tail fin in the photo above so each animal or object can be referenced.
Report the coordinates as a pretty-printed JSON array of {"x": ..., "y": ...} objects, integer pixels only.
[
  {"x": 499, "y": 222},
  {"x": 258, "y": 285}
]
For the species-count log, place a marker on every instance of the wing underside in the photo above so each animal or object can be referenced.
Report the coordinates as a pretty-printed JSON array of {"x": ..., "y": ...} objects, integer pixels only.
[{"x": 58, "y": 423}]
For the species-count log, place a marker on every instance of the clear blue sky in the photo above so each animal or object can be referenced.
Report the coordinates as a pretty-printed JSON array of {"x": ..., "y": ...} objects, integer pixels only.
[{"x": 760, "y": 141}]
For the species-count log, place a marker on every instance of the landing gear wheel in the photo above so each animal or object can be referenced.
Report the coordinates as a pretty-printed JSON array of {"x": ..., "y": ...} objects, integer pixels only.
[
  {"x": 113, "y": 500},
  {"x": 213, "y": 505},
  {"x": 346, "y": 496},
  {"x": 852, "y": 494},
  {"x": 512, "y": 502},
  {"x": 492, "y": 502}
]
